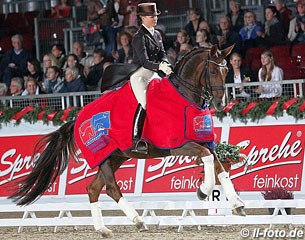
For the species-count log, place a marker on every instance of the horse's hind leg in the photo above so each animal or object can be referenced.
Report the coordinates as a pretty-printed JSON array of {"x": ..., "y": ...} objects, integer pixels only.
[
  {"x": 238, "y": 205},
  {"x": 94, "y": 189},
  {"x": 113, "y": 191}
]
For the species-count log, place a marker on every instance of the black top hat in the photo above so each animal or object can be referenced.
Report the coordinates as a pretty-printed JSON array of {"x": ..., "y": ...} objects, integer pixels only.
[{"x": 148, "y": 9}]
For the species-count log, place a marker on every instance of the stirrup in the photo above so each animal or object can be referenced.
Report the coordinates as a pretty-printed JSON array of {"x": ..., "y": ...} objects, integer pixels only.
[{"x": 140, "y": 147}]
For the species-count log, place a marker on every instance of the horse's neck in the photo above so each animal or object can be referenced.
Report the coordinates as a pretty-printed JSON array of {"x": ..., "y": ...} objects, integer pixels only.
[{"x": 186, "y": 88}]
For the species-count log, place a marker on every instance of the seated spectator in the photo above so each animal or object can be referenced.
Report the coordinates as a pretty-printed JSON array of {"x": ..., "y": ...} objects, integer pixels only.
[
  {"x": 14, "y": 62},
  {"x": 203, "y": 39},
  {"x": 35, "y": 72},
  {"x": 79, "y": 50},
  {"x": 55, "y": 81},
  {"x": 16, "y": 87},
  {"x": 95, "y": 73},
  {"x": 73, "y": 81},
  {"x": 285, "y": 14},
  {"x": 296, "y": 32},
  {"x": 124, "y": 54},
  {"x": 58, "y": 53},
  {"x": 31, "y": 87},
  {"x": 181, "y": 37},
  {"x": 239, "y": 74},
  {"x": 236, "y": 15},
  {"x": 227, "y": 37},
  {"x": 274, "y": 30},
  {"x": 47, "y": 62},
  {"x": 72, "y": 61},
  {"x": 269, "y": 72},
  {"x": 195, "y": 17},
  {"x": 61, "y": 10},
  {"x": 249, "y": 31},
  {"x": 206, "y": 26},
  {"x": 3, "y": 90}
]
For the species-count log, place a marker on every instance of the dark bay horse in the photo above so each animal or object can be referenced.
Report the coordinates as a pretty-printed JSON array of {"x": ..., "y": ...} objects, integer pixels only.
[{"x": 199, "y": 76}]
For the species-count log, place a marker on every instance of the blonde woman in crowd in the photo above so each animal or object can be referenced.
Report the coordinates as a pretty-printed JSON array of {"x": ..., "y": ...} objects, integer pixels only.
[
  {"x": 31, "y": 87},
  {"x": 267, "y": 73},
  {"x": 203, "y": 39}
]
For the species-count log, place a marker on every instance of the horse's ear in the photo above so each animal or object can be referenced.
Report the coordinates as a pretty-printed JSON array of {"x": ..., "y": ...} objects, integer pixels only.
[
  {"x": 214, "y": 50},
  {"x": 227, "y": 51}
]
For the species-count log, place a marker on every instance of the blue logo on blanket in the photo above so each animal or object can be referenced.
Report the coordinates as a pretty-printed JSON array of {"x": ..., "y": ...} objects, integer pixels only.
[
  {"x": 94, "y": 132},
  {"x": 203, "y": 124}
]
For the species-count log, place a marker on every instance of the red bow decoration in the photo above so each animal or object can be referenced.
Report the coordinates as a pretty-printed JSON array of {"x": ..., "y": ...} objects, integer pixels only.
[
  {"x": 230, "y": 105},
  {"x": 248, "y": 108},
  {"x": 24, "y": 111},
  {"x": 66, "y": 113},
  {"x": 289, "y": 103},
  {"x": 271, "y": 109},
  {"x": 51, "y": 115},
  {"x": 40, "y": 115}
]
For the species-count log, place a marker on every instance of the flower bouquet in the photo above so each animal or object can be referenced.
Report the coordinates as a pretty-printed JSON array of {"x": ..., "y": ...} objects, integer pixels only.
[{"x": 228, "y": 153}]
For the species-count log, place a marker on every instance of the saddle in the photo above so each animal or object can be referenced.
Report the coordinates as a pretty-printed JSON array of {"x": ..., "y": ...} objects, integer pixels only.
[{"x": 116, "y": 75}]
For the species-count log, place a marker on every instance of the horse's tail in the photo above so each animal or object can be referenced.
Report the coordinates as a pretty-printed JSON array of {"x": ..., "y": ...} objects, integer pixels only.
[{"x": 56, "y": 148}]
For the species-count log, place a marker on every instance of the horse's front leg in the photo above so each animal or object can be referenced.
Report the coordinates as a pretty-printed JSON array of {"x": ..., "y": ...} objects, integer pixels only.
[
  {"x": 113, "y": 191},
  {"x": 238, "y": 205},
  {"x": 205, "y": 155}
]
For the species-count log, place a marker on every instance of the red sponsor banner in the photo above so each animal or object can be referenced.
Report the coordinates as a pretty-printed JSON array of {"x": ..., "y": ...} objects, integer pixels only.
[
  {"x": 80, "y": 175},
  {"x": 173, "y": 173},
  {"x": 16, "y": 163},
  {"x": 275, "y": 157}
]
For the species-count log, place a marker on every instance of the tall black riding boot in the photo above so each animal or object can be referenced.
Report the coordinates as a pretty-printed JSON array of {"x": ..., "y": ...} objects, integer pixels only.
[{"x": 139, "y": 145}]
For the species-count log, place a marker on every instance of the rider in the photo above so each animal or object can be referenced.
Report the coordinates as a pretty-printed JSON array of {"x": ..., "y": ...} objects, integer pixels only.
[{"x": 148, "y": 52}]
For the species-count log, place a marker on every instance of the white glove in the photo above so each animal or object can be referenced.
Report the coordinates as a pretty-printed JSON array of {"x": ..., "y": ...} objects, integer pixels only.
[{"x": 165, "y": 67}]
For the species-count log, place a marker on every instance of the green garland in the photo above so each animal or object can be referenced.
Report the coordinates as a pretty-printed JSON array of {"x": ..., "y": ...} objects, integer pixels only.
[
  {"x": 255, "y": 114},
  {"x": 259, "y": 111}
]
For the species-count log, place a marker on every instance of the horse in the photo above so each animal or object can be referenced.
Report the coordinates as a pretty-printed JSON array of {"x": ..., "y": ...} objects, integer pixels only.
[{"x": 199, "y": 77}]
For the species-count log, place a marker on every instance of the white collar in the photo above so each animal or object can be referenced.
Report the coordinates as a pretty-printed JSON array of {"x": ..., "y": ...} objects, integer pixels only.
[{"x": 151, "y": 30}]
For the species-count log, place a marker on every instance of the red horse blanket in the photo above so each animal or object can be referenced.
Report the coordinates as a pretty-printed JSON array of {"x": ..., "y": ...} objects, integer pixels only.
[{"x": 106, "y": 124}]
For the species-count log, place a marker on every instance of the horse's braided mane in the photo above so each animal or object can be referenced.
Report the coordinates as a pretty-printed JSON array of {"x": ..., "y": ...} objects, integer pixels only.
[{"x": 188, "y": 55}]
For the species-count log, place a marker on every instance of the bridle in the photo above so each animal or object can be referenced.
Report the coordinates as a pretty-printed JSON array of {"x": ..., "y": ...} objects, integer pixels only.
[
  {"x": 208, "y": 89},
  {"x": 206, "y": 92}
]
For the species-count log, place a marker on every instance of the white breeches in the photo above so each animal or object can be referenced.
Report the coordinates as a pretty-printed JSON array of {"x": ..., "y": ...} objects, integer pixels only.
[{"x": 139, "y": 81}]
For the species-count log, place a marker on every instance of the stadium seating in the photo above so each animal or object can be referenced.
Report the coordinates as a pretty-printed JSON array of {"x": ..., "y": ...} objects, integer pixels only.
[{"x": 280, "y": 51}]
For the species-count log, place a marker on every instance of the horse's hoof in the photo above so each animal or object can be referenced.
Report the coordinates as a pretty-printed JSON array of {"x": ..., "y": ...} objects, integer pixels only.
[
  {"x": 106, "y": 232},
  {"x": 141, "y": 226},
  {"x": 240, "y": 211},
  {"x": 201, "y": 195}
]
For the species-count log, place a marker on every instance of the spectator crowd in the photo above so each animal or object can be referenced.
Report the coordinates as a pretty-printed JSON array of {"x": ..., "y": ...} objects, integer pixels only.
[{"x": 60, "y": 72}]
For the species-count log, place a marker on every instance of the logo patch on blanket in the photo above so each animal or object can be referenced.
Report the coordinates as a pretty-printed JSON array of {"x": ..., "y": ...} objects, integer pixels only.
[{"x": 94, "y": 132}]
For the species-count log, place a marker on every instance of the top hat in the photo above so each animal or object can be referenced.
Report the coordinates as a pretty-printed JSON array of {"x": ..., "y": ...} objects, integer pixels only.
[{"x": 148, "y": 9}]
